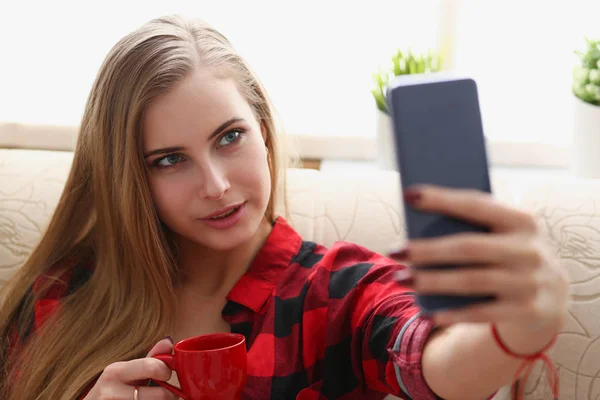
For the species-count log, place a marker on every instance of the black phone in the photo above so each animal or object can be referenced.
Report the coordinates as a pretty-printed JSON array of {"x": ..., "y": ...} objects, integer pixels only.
[{"x": 439, "y": 139}]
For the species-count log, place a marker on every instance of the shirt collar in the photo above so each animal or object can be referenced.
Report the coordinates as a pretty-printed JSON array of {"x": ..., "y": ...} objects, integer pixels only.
[{"x": 256, "y": 286}]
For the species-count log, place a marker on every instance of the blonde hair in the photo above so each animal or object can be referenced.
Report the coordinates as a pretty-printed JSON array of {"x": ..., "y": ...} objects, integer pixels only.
[{"x": 106, "y": 215}]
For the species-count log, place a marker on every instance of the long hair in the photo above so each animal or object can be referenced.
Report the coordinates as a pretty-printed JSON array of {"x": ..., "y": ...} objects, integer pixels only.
[{"x": 106, "y": 215}]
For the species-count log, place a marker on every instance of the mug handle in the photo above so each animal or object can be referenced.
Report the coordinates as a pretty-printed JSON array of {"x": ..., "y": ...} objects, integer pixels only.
[{"x": 170, "y": 361}]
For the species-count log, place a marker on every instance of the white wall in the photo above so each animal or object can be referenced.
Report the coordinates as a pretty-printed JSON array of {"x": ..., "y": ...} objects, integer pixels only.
[
  {"x": 315, "y": 57},
  {"x": 521, "y": 55}
]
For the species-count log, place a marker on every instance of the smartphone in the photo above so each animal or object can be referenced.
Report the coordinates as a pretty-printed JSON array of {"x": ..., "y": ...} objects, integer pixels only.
[{"x": 439, "y": 139}]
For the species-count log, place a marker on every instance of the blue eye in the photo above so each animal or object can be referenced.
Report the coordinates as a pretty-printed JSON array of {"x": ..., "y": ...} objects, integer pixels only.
[
  {"x": 230, "y": 137},
  {"x": 168, "y": 161}
]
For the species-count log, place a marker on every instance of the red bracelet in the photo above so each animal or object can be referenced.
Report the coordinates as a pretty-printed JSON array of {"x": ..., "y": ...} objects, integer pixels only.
[{"x": 527, "y": 366}]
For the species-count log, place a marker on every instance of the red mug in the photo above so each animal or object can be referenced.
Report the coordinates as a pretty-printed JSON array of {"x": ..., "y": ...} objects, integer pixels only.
[{"x": 208, "y": 366}]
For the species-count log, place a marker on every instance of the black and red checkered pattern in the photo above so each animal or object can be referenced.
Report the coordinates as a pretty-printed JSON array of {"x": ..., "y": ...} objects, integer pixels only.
[{"x": 319, "y": 323}]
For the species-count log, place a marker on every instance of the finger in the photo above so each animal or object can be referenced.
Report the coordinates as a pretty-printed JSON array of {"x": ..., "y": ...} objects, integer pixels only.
[
  {"x": 472, "y": 248},
  {"x": 155, "y": 393},
  {"x": 164, "y": 346},
  {"x": 485, "y": 280},
  {"x": 496, "y": 311},
  {"x": 137, "y": 370},
  {"x": 475, "y": 206},
  {"x": 144, "y": 393}
]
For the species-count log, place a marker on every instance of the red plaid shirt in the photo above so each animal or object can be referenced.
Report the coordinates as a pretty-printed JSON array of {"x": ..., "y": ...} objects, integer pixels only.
[{"x": 319, "y": 323}]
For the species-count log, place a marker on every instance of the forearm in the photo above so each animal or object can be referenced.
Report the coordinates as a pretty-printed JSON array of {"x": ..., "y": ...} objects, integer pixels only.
[{"x": 464, "y": 362}]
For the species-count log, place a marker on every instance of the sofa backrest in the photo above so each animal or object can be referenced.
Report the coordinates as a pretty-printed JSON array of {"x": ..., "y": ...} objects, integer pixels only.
[{"x": 366, "y": 210}]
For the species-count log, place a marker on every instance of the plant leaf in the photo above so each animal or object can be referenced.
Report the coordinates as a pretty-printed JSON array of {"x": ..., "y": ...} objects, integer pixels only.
[{"x": 594, "y": 76}]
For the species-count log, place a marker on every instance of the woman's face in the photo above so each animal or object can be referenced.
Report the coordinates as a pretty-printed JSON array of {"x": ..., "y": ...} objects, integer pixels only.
[{"x": 207, "y": 161}]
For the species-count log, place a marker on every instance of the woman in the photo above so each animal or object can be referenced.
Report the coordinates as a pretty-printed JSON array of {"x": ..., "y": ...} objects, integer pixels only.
[{"x": 167, "y": 227}]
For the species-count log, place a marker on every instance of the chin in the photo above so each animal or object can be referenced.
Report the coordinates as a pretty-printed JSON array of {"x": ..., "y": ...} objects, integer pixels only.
[{"x": 225, "y": 241}]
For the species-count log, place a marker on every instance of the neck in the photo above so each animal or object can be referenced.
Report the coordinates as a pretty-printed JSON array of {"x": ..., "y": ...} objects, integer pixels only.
[{"x": 211, "y": 273}]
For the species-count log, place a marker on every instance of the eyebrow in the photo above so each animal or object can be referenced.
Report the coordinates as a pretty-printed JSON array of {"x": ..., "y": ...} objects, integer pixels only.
[{"x": 220, "y": 129}]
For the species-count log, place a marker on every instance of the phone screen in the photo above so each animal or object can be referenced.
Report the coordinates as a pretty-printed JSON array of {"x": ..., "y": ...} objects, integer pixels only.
[{"x": 439, "y": 140}]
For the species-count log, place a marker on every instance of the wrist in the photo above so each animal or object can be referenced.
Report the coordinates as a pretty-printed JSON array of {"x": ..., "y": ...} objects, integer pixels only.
[
  {"x": 530, "y": 351},
  {"x": 523, "y": 341}
]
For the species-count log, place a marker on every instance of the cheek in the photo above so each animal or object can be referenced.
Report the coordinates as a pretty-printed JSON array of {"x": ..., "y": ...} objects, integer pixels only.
[
  {"x": 258, "y": 175},
  {"x": 264, "y": 177},
  {"x": 250, "y": 176},
  {"x": 168, "y": 196}
]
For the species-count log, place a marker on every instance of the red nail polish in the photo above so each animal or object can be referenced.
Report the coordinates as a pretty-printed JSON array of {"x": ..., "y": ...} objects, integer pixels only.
[
  {"x": 400, "y": 255},
  {"x": 412, "y": 196}
]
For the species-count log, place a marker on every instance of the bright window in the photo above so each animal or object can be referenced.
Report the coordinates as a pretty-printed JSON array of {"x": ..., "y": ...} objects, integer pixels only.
[
  {"x": 521, "y": 55},
  {"x": 315, "y": 57}
]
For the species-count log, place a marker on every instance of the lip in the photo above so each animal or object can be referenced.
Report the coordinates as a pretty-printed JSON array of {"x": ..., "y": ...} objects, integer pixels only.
[
  {"x": 222, "y": 211},
  {"x": 227, "y": 222}
]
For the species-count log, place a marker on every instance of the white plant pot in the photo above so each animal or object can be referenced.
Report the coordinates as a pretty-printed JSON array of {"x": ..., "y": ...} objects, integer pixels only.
[
  {"x": 585, "y": 155},
  {"x": 386, "y": 155}
]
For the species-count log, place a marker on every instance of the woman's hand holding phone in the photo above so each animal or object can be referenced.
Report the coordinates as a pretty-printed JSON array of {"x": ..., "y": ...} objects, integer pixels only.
[{"x": 511, "y": 262}]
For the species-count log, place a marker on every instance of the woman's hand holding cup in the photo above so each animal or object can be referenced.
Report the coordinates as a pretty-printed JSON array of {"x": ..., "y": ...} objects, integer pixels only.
[{"x": 121, "y": 380}]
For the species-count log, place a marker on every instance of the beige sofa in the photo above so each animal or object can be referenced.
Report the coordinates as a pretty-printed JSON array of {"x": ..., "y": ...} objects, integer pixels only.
[{"x": 365, "y": 209}]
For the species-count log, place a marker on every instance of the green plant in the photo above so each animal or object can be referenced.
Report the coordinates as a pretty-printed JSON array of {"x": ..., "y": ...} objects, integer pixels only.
[
  {"x": 586, "y": 76},
  {"x": 403, "y": 64}
]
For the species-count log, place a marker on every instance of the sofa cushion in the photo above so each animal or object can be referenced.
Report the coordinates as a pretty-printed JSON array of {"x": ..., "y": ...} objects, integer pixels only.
[{"x": 365, "y": 209}]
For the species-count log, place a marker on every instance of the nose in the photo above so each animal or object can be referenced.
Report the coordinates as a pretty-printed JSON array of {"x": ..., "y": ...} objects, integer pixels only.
[{"x": 214, "y": 182}]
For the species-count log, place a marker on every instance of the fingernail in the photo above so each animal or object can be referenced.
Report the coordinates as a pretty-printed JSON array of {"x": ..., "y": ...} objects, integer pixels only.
[
  {"x": 412, "y": 196},
  {"x": 170, "y": 338},
  {"x": 401, "y": 254},
  {"x": 404, "y": 277}
]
